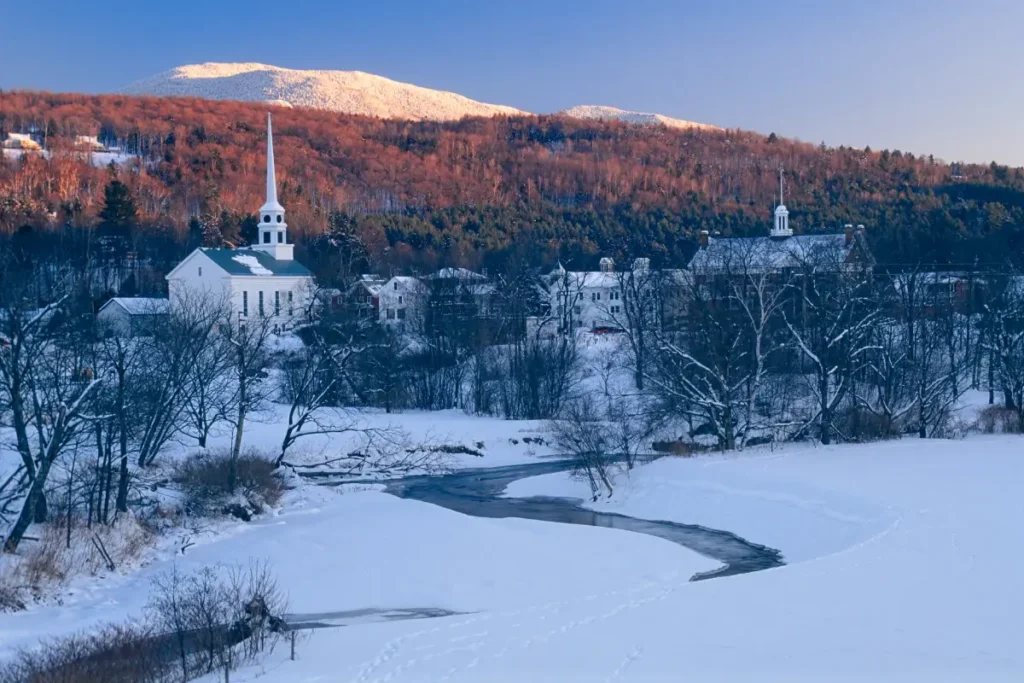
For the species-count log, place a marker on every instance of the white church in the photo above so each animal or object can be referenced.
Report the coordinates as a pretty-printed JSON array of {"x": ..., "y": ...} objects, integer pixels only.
[{"x": 262, "y": 281}]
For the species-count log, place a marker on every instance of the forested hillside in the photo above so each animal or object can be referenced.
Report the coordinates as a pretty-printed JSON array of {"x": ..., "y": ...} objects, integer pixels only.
[{"x": 415, "y": 195}]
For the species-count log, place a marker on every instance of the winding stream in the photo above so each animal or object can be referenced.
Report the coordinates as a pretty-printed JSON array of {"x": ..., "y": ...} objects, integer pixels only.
[{"x": 479, "y": 493}]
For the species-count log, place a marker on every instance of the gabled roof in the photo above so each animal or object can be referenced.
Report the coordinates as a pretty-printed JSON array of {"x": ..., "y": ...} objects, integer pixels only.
[
  {"x": 770, "y": 252},
  {"x": 456, "y": 273},
  {"x": 252, "y": 262},
  {"x": 140, "y": 305}
]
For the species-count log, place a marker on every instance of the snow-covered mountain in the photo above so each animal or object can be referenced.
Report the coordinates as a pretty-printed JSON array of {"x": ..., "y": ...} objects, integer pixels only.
[
  {"x": 352, "y": 92},
  {"x": 602, "y": 113}
]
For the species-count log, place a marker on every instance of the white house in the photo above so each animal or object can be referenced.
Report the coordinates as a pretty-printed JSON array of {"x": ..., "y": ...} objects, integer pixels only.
[
  {"x": 402, "y": 301},
  {"x": 132, "y": 316},
  {"x": 594, "y": 297},
  {"x": 257, "y": 282}
]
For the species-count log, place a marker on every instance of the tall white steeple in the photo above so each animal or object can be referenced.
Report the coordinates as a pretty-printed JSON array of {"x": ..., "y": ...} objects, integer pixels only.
[
  {"x": 273, "y": 231},
  {"x": 781, "y": 227}
]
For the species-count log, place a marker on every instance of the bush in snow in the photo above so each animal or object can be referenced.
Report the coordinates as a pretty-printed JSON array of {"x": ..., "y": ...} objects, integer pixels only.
[{"x": 205, "y": 485}]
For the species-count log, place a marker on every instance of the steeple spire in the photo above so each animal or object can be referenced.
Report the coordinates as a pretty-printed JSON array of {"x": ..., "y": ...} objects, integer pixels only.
[
  {"x": 273, "y": 231},
  {"x": 781, "y": 181},
  {"x": 272, "y": 203}
]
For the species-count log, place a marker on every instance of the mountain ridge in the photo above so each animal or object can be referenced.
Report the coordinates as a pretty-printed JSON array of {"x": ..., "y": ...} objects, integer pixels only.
[{"x": 354, "y": 92}]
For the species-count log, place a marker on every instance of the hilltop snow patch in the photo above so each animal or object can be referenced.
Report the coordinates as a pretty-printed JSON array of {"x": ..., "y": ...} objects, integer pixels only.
[
  {"x": 603, "y": 113},
  {"x": 351, "y": 92}
]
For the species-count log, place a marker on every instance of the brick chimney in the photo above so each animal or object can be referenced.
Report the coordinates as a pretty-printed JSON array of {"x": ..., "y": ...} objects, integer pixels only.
[
  {"x": 702, "y": 239},
  {"x": 848, "y": 234}
]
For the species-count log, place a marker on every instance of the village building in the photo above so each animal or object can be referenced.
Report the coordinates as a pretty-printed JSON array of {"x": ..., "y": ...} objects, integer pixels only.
[
  {"x": 262, "y": 281},
  {"x": 132, "y": 316}
]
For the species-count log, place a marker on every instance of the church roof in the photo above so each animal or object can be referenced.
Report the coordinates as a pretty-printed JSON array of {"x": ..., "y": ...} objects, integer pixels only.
[
  {"x": 258, "y": 263},
  {"x": 768, "y": 252}
]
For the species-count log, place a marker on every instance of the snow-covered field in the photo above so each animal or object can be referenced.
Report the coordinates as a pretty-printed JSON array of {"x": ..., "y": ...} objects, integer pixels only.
[{"x": 902, "y": 557}]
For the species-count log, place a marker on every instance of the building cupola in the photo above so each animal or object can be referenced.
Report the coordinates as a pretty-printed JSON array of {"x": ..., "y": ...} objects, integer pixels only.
[
  {"x": 781, "y": 227},
  {"x": 272, "y": 230}
]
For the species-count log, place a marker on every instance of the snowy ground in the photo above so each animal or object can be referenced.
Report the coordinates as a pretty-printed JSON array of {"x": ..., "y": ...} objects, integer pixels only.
[{"x": 902, "y": 566}]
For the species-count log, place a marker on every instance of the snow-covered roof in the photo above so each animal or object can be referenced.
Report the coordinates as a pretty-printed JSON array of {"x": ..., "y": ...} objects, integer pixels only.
[
  {"x": 252, "y": 263},
  {"x": 456, "y": 273},
  {"x": 405, "y": 282},
  {"x": 588, "y": 279},
  {"x": 770, "y": 252},
  {"x": 141, "y": 305}
]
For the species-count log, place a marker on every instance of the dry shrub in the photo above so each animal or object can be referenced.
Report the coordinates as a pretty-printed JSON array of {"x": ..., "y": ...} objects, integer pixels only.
[
  {"x": 680, "y": 448},
  {"x": 859, "y": 424},
  {"x": 204, "y": 482},
  {"x": 999, "y": 420},
  {"x": 195, "y": 623},
  {"x": 45, "y": 562},
  {"x": 114, "y": 654}
]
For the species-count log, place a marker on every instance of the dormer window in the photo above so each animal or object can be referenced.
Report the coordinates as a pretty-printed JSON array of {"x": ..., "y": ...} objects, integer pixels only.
[{"x": 266, "y": 219}]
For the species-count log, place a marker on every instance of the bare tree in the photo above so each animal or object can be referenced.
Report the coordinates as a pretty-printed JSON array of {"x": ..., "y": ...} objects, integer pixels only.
[
  {"x": 831, "y": 328},
  {"x": 166, "y": 379},
  {"x": 246, "y": 344},
  {"x": 50, "y": 387},
  {"x": 635, "y": 308},
  {"x": 315, "y": 376},
  {"x": 586, "y": 440},
  {"x": 1004, "y": 339}
]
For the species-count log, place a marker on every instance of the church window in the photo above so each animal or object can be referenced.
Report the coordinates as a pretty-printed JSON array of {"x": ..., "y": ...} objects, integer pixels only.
[
  {"x": 280, "y": 238},
  {"x": 266, "y": 237},
  {"x": 266, "y": 219},
  {"x": 261, "y": 303},
  {"x": 200, "y": 271},
  {"x": 289, "y": 303},
  {"x": 277, "y": 303},
  {"x": 245, "y": 303},
  {"x": 279, "y": 219}
]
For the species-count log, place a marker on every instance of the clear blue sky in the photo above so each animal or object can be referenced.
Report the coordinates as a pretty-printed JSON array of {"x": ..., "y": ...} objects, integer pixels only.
[{"x": 928, "y": 76}]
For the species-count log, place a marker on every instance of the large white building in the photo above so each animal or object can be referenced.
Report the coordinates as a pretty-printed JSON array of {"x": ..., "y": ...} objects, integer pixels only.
[{"x": 262, "y": 281}]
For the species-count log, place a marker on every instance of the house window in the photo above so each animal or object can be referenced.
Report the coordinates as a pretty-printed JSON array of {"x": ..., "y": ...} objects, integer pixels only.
[
  {"x": 245, "y": 303},
  {"x": 289, "y": 303},
  {"x": 391, "y": 314},
  {"x": 401, "y": 314},
  {"x": 200, "y": 271},
  {"x": 615, "y": 309},
  {"x": 396, "y": 286},
  {"x": 277, "y": 303},
  {"x": 261, "y": 303},
  {"x": 400, "y": 300},
  {"x": 577, "y": 310}
]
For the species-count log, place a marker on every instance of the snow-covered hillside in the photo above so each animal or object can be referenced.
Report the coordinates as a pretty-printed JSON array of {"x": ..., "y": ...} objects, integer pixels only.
[
  {"x": 352, "y": 92},
  {"x": 602, "y": 113}
]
